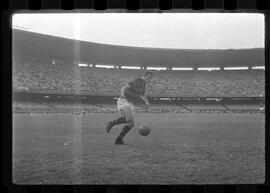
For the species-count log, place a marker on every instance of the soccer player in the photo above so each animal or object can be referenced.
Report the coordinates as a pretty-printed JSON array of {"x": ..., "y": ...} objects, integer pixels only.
[{"x": 132, "y": 93}]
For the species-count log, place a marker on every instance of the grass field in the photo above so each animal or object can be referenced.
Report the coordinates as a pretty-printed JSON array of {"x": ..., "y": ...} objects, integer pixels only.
[{"x": 189, "y": 148}]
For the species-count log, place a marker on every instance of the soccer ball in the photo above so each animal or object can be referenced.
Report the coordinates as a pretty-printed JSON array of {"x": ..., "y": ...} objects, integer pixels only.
[{"x": 144, "y": 130}]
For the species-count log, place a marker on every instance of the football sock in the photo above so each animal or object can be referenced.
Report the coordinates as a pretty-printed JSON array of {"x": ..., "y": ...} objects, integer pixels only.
[
  {"x": 118, "y": 121},
  {"x": 124, "y": 131}
]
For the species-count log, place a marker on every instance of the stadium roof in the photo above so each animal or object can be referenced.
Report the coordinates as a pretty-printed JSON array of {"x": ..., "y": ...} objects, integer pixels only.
[{"x": 41, "y": 46}]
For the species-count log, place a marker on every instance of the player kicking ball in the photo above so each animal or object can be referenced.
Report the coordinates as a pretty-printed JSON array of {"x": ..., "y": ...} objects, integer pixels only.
[{"x": 132, "y": 93}]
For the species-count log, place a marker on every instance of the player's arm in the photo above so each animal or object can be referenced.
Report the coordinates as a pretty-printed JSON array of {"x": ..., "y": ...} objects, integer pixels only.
[
  {"x": 124, "y": 89},
  {"x": 146, "y": 103},
  {"x": 143, "y": 97}
]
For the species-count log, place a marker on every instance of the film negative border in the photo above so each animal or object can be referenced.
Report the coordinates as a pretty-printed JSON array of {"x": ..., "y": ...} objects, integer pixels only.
[
  {"x": 133, "y": 5},
  {"x": 138, "y": 189}
]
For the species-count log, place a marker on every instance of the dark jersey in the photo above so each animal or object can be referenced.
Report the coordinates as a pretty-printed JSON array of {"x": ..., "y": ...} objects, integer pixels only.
[{"x": 135, "y": 90}]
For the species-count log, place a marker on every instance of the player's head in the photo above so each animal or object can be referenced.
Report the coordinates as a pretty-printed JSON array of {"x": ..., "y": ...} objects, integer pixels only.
[{"x": 148, "y": 75}]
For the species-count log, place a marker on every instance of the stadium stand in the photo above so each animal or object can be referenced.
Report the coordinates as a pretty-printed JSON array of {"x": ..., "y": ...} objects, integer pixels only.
[
  {"x": 43, "y": 75},
  {"x": 61, "y": 108},
  {"x": 243, "y": 106},
  {"x": 52, "y": 69},
  {"x": 205, "y": 107}
]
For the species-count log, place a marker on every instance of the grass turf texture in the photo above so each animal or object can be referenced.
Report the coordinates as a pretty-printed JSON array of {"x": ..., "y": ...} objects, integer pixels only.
[{"x": 188, "y": 148}]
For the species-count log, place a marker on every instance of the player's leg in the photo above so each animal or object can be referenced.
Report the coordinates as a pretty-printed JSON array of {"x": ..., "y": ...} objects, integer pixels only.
[
  {"x": 128, "y": 114},
  {"x": 117, "y": 121},
  {"x": 120, "y": 120}
]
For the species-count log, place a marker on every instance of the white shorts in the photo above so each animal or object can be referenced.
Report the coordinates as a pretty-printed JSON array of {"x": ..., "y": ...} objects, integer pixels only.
[{"x": 122, "y": 102}]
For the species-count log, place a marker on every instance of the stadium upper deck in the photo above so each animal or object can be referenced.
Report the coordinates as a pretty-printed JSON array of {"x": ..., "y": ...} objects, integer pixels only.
[{"x": 34, "y": 45}]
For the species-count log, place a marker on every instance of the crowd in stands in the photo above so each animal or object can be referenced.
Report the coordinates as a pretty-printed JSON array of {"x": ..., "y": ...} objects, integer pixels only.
[
  {"x": 58, "y": 108},
  {"x": 44, "y": 75},
  {"x": 33, "y": 108}
]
